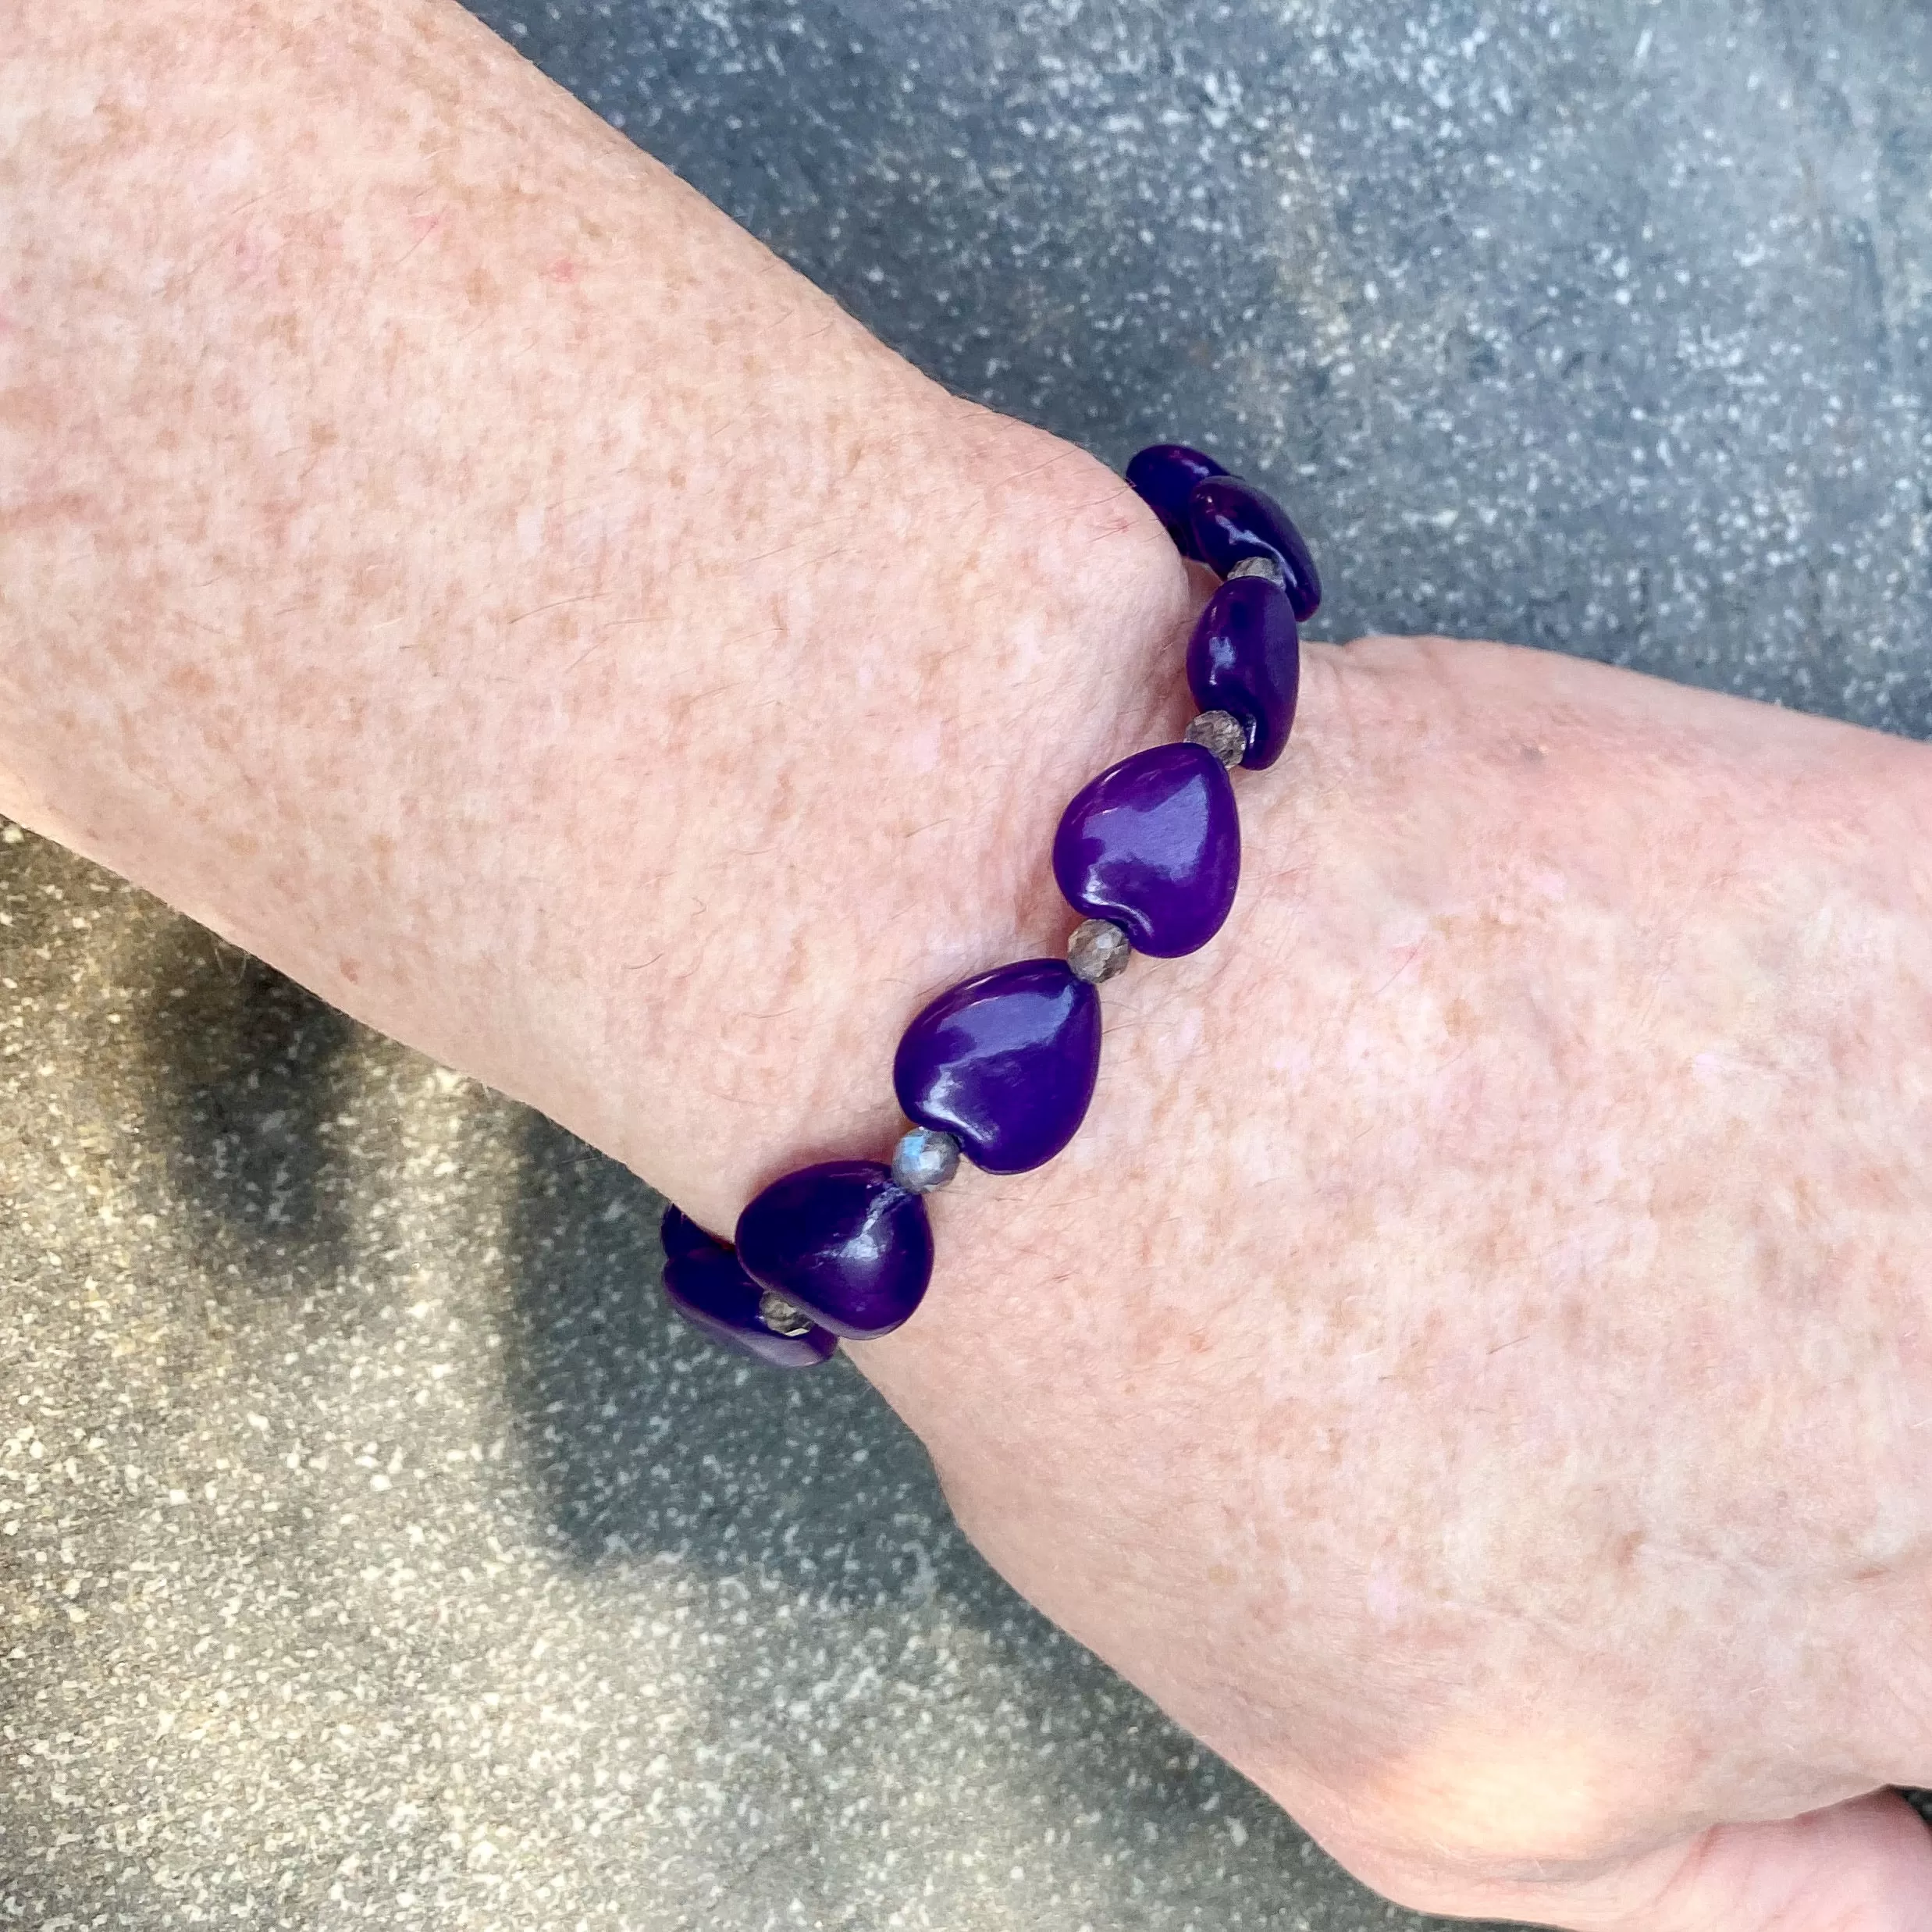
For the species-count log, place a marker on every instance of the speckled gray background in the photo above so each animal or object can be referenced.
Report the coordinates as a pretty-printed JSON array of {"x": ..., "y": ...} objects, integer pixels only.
[{"x": 372, "y": 1550}]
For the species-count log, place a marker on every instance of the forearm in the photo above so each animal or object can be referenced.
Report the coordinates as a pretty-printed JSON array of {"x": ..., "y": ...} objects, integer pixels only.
[{"x": 444, "y": 553}]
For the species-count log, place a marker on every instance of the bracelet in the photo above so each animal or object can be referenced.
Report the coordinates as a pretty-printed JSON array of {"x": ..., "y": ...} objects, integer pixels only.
[{"x": 1000, "y": 1068}]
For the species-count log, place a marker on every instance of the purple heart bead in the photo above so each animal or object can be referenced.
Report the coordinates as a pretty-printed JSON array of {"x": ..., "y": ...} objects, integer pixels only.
[
  {"x": 1163, "y": 476},
  {"x": 1232, "y": 519},
  {"x": 1154, "y": 844},
  {"x": 1005, "y": 1062},
  {"x": 1245, "y": 657},
  {"x": 843, "y": 1241},
  {"x": 704, "y": 1283}
]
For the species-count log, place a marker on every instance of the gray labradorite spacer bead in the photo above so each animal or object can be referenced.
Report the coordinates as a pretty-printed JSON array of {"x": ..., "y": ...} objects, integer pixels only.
[
  {"x": 1098, "y": 950},
  {"x": 1222, "y": 733},
  {"x": 1260, "y": 567},
  {"x": 924, "y": 1159},
  {"x": 780, "y": 1316}
]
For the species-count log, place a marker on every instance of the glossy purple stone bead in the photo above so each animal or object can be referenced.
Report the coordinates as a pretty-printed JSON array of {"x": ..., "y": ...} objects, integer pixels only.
[
  {"x": 704, "y": 1283},
  {"x": 844, "y": 1242},
  {"x": 1005, "y": 1062},
  {"x": 1163, "y": 476},
  {"x": 1245, "y": 657},
  {"x": 1232, "y": 519},
  {"x": 1154, "y": 844}
]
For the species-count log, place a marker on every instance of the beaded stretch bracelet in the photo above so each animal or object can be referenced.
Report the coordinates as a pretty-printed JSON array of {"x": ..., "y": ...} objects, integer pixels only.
[{"x": 1000, "y": 1068}]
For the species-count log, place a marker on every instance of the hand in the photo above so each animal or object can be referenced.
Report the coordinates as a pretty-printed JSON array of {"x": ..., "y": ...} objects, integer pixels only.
[{"x": 1471, "y": 1367}]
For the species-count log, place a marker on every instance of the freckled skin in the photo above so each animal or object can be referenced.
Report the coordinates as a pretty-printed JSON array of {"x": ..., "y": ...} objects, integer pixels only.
[{"x": 1471, "y": 1367}]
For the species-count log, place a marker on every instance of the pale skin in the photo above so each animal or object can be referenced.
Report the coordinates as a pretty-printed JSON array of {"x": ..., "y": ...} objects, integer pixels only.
[{"x": 1470, "y": 1369}]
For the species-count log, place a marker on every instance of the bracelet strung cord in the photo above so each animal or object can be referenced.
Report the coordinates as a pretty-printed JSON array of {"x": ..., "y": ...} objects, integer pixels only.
[{"x": 1000, "y": 1068}]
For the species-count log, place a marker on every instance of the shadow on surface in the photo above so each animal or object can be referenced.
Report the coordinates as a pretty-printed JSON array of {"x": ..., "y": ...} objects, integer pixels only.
[{"x": 243, "y": 1083}]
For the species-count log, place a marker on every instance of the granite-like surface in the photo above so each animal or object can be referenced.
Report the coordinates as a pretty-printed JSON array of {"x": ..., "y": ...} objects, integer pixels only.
[{"x": 373, "y": 1548}]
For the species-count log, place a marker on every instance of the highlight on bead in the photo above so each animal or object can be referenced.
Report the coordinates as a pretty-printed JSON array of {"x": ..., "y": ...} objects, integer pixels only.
[
  {"x": 1005, "y": 1062},
  {"x": 1244, "y": 661},
  {"x": 1000, "y": 1069},
  {"x": 1154, "y": 844},
  {"x": 1231, "y": 521},
  {"x": 842, "y": 1242}
]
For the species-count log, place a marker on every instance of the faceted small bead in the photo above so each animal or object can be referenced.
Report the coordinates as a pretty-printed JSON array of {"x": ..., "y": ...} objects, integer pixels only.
[
  {"x": 1154, "y": 844},
  {"x": 1232, "y": 519},
  {"x": 1005, "y": 1062},
  {"x": 1098, "y": 950},
  {"x": 1222, "y": 733},
  {"x": 705, "y": 1284},
  {"x": 843, "y": 1241},
  {"x": 1162, "y": 476},
  {"x": 780, "y": 1316},
  {"x": 924, "y": 1160},
  {"x": 1245, "y": 658}
]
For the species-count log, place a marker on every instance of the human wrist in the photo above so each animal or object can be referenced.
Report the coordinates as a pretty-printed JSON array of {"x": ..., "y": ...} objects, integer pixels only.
[
  {"x": 968, "y": 677},
  {"x": 1002, "y": 1066}
]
